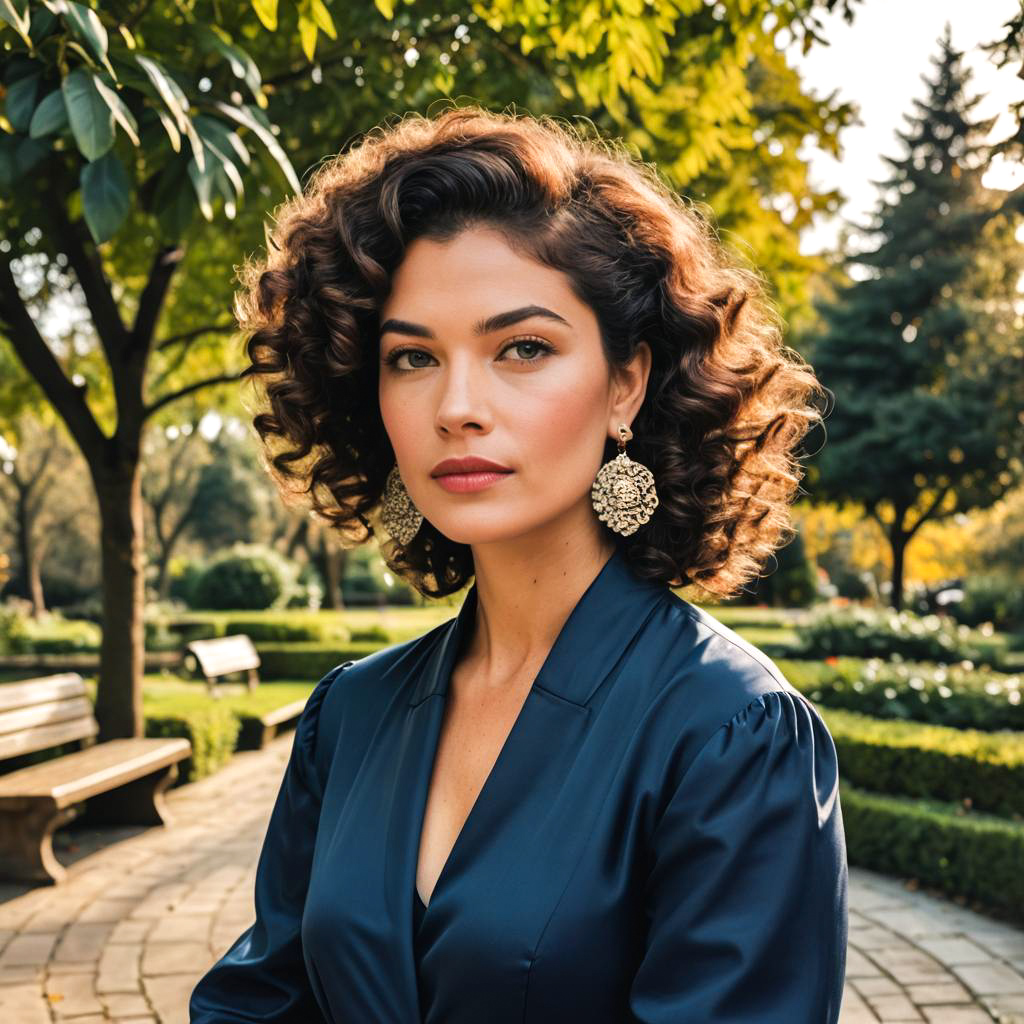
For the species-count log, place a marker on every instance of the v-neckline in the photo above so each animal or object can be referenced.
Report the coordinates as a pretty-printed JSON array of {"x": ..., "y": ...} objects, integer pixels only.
[
  {"x": 432, "y": 760},
  {"x": 467, "y": 621}
]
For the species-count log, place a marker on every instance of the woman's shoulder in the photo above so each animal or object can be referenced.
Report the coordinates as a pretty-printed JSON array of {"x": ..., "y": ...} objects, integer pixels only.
[{"x": 714, "y": 676}]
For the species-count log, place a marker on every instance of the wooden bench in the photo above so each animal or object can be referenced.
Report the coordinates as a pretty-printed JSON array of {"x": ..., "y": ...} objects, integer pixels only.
[
  {"x": 224, "y": 656},
  {"x": 259, "y": 730},
  {"x": 123, "y": 780}
]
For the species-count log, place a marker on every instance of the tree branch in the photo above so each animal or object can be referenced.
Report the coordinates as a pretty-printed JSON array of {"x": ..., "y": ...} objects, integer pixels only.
[
  {"x": 151, "y": 301},
  {"x": 88, "y": 270},
  {"x": 173, "y": 396},
  {"x": 188, "y": 336},
  {"x": 67, "y": 398}
]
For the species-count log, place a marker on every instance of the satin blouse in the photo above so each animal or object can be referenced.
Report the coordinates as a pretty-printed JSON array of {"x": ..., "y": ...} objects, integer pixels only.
[{"x": 660, "y": 841}]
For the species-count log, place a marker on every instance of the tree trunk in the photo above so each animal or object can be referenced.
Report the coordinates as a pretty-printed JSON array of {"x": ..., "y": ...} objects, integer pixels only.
[
  {"x": 333, "y": 561},
  {"x": 31, "y": 558},
  {"x": 898, "y": 543},
  {"x": 122, "y": 655}
]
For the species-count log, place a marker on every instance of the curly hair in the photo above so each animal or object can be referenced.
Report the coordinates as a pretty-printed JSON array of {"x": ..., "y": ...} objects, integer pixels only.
[{"x": 726, "y": 403}]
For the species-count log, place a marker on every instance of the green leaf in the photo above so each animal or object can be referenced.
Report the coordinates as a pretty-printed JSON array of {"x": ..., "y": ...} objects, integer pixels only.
[
  {"x": 18, "y": 155},
  {"x": 92, "y": 122},
  {"x": 171, "y": 128},
  {"x": 266, "y": 11},
  {"x": 250, "y": 118},
  {"x": 85, "y": 23},
  {"x": 122, "y": 114},
  {"x": 106, "y": 196},
  {"x": 177, "y": 102},
  {"x": 15, "y": 13},
  {"x": 50, "y": 117},
  {"x": 21, "y": 101},
  {"x": 241, "y": 64},
  {"x": 202, "y": 183},
  {"x": 167, "y": 88}
]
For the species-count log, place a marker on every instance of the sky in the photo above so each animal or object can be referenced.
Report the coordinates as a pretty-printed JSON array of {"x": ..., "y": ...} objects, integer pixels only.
[{"x": 877, "y": 62}]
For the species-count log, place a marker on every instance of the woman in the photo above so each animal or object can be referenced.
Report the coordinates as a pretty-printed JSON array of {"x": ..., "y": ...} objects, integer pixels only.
[{"x": 511, "y": 353}]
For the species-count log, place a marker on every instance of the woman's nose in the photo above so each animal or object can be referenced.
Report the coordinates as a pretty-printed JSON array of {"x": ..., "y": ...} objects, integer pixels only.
[{"x": 463, "y": 398}]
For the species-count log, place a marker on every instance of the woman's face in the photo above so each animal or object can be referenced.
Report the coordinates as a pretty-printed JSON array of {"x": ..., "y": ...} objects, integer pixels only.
[{"x": 531, "y": 392}]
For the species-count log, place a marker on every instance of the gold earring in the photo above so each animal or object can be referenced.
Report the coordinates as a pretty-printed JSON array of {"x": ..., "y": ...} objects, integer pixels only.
[
  {"x": 623, "y": 494},
  {"x": 399, "y": 515}
]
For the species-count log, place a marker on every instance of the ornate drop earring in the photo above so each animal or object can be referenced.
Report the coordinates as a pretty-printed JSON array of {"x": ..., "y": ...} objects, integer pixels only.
[
  {"x": 623, "y": 494},
  {"x": 399, "y": 515}
]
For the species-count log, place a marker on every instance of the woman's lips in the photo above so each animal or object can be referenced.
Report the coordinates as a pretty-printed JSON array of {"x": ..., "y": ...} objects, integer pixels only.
[{"x": 462, "y": 483}]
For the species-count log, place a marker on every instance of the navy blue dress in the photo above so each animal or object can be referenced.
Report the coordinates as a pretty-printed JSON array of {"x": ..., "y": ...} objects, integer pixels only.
[{"x": 660, "y": 841}]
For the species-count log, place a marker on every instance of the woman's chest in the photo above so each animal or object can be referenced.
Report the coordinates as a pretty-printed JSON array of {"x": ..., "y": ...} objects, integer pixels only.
[{"x": 537, "y": 898}]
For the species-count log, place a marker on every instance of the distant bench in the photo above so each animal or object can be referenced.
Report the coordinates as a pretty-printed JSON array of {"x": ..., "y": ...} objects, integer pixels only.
[
  {"x": 224, "y": 656},
  {"x": 124, "y": 779}
]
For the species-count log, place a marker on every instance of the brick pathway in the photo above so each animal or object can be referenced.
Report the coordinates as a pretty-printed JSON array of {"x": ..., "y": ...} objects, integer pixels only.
[{"x": 144, "y": 912}]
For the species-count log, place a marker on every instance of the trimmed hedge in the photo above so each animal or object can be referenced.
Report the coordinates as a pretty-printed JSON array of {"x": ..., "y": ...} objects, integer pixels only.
[
  {"x": 212, "y": 730},
  {"x": 983, "y": 770},
  {"x": 951, "y": 695},
  {"x": 308, "y": 661},
  {"x": 966, "y": 855},
  {"x": 883, "y": 633}
]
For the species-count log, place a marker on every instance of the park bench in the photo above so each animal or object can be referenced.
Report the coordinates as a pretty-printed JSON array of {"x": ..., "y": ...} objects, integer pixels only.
[
  {"x": 222, "y": 657},
  {"x": 123, "y": 779},
  {"x": 258, "y": 731}
]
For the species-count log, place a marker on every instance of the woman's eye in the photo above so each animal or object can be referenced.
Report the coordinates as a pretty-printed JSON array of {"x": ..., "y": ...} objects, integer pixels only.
[
  {"x": 538, "y": 347},
  {"x": 535, "y": 350}
]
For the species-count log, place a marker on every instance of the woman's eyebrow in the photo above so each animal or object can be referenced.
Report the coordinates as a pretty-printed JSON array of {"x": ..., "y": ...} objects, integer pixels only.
[{"x": 485, "y": 326}]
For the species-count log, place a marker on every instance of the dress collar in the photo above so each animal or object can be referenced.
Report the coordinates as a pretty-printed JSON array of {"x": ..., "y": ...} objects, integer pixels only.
[{"x": 601, "y": 624}]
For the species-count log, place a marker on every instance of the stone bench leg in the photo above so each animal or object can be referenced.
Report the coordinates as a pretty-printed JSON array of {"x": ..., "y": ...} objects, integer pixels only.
[
  {"x": 26, "y": 842},
  {"x": 140, "y": 802}
]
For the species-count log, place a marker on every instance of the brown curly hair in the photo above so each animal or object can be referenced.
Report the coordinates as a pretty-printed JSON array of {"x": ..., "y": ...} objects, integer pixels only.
[{"x": 726, "y": 404}]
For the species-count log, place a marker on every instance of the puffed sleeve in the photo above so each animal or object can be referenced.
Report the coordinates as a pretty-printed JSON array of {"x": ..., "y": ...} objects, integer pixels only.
[
  {"x": 747, "y": 889},
  {"x": 262, "y": 977}
]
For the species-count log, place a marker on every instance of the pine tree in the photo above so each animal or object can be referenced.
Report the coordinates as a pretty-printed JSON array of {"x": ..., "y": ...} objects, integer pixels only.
[{"x": 922, "y": 348}]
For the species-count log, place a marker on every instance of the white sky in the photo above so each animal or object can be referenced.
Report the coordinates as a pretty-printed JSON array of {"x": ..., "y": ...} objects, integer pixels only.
[{"x": 877, "y": 62}]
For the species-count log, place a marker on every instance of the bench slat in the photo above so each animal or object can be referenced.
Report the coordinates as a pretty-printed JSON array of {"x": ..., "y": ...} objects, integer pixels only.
[
  {"x": 224, "y": 655},
  {"x": 78, "y": 776},
  {"x": 44, "y": 714},
  {"x": 31, "y": 740},
  {"x": 41, "y": 691},
  {"x": 282, "y": 714}
]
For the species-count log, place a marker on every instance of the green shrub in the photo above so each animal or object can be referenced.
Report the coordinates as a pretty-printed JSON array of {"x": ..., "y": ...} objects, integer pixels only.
[
  {"x": 51, "y": 634},
  {"x": 882, "y": 633},
  {"x": 983, "y": 770},
  {"x": 248, "y": 577},
  {"x": 993, "y": 598},
  {"x": 211, "y": 729},
  {"x": 959, "y": 696},
  {"x": 293, "y": 629},
  {"x": 307, "y": 661},
  {"x": 370, "y": 634},
  {"x": 965, "y": 854}
]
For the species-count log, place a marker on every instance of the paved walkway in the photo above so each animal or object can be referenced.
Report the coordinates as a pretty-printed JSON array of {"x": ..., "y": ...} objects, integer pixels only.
[{"x": 144, "y": 912}]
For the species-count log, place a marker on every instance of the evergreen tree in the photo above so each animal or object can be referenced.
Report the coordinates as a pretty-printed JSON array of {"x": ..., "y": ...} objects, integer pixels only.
[{"x": 922, "y": 348}]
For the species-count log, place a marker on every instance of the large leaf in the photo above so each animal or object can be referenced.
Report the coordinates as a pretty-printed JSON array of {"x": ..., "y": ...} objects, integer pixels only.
[
  {"x": 122, "y": 114},
  {"x": 50, "y": 117},
  {"x": 15, "y": 13},
  {"x": 241, "y": 64},
  {"x": 21, "y": 101},
  {"x": 92, "y": 121},
  {"x": 18, "y": 155},
  {"x": 106, "y": 196},
  {"x": 85, "y": 23},
  {"x": 177, "y": 102},
  {"x": 251, "y": 119}
]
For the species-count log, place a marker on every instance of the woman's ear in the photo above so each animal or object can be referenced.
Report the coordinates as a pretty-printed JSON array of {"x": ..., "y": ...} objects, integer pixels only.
[{"x": 630, "y": 386}]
